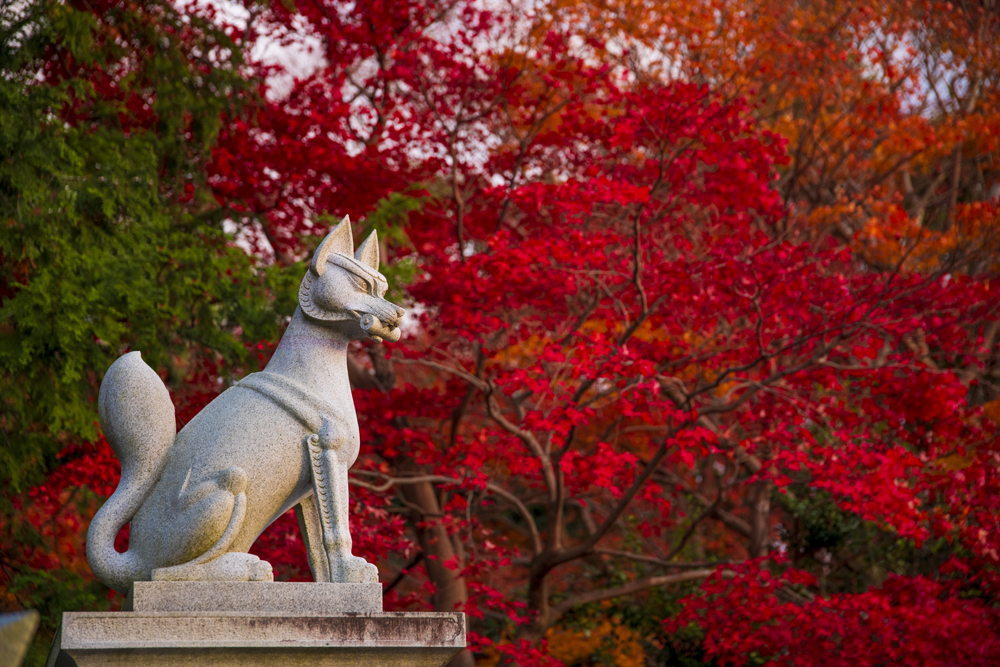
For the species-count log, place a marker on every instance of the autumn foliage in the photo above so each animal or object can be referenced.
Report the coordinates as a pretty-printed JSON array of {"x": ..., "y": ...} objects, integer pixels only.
[{"x": 704, "y": 353}]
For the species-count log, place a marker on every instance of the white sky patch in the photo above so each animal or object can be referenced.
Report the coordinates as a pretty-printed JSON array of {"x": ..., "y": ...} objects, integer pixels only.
[
  {"x": 245, "y": 235},
  {"x": 410, "y": 324},
  {"x": 12, "y": 11},
  {"x": 296, "y": 51}
]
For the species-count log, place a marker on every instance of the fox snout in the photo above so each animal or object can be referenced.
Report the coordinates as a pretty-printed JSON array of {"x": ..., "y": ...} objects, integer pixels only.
[
  {"x": 388, "y": 313},
  {"x": 384, "y": 323}
]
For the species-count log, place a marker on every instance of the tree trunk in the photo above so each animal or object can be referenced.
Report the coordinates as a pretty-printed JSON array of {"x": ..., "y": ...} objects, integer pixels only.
[
  {"x": 451, "y": 593},
  {"x": 760, "y": 513},
  {"x": 432, "y": 535}
]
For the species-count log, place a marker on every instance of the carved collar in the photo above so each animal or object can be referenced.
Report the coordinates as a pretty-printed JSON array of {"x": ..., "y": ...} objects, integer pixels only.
[{"x": 302, "y": 404}]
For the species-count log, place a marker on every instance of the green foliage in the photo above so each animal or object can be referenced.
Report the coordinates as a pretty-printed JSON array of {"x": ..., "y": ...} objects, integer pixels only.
[
  {"x": 847, "y": 553},
  {"x": 819, "y": 522},
  {"x": 390, "y": 216},
  {"x": 51, "y": 592},
  {"x": 108, "y": 238},
  {"x": 643, "y": 617},
  {"x": 110, "y": 241}
]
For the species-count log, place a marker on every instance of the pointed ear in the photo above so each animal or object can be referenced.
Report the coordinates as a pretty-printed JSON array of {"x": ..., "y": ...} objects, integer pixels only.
[
  {"x": 340, "y": 240},
  {"x": 367, "y": 252}
]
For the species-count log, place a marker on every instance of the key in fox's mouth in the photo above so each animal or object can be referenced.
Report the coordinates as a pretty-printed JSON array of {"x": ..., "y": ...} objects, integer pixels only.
[{"x": 376, "y": 330}]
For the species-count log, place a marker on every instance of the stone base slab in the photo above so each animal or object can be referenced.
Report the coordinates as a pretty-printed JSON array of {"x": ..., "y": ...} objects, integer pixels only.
[
  {"x": 304, "y": 599},
  {"x": 232, "y": 639}
]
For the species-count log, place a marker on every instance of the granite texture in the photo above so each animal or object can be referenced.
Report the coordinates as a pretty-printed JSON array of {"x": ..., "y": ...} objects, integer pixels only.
[
  {"x": 281, "y": 438},
  {"x": 168, "y": 639},
  {"x": 304, "y": 599}
]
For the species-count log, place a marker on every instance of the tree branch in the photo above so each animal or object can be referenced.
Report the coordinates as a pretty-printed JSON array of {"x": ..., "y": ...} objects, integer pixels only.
[
  {"x": 522, "y": 509},
  {"x": 586, "y": 547},
  {"x": 658, "y": 561},
  {"x": 618, "y": 591}
]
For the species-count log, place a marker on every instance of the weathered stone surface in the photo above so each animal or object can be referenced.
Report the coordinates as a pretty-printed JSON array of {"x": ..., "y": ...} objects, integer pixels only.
[
  {"x": 16, "y": 632},
  {"x": 304, "y": 599},
  {"x": 285, "y": 437},
  {"x": 168, "y": 639}
]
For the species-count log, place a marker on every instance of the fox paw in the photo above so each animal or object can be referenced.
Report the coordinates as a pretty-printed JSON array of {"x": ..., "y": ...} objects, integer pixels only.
[
  {"x": 233, "y": 566},
  {"x": 352, "y": 570}
]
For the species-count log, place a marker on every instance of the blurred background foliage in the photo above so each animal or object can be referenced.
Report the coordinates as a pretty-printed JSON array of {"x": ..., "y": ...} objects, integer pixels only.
[{"x": 115, "y": 237}]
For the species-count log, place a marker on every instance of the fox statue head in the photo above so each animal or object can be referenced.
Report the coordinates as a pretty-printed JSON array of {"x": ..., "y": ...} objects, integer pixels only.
[{"x": 345, "y": 288}]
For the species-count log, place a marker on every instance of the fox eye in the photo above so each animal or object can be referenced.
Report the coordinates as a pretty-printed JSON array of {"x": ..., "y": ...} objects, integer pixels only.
[{"x": 359, "y": 283}]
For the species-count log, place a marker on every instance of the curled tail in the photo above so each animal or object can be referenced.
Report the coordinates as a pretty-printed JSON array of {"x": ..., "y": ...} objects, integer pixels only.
[{"x": 137, "y": 417}]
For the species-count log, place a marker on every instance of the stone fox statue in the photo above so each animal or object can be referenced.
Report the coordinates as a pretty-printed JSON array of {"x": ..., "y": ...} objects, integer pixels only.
[{"x": 280, "y": 438}]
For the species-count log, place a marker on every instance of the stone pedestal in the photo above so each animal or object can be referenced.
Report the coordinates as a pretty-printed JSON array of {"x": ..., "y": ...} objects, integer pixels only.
[{"x": 245, "y": 624}]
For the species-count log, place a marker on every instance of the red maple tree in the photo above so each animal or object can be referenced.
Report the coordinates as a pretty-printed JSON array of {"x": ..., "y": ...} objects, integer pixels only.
[{"x": 633, "y": 362}]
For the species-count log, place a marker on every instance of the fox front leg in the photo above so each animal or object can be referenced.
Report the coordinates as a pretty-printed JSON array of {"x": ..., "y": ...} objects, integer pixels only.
[
  {"x": 329, "y": 475},
  {"x": 311, "y": 528}
]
